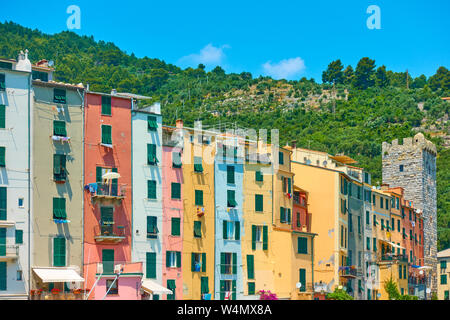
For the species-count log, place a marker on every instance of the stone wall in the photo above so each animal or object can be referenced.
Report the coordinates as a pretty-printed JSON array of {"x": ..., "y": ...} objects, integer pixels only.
[{"x": 418, "y": 157}]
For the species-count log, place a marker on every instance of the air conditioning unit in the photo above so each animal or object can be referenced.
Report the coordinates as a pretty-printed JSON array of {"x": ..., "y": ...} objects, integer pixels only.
[
  {"x": 118, "y": 268},
  {"x": 99, "y": 268}
]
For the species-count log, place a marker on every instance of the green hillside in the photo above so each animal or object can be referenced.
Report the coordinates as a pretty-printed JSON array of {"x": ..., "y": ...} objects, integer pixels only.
[{"x": 352, "y": 112}]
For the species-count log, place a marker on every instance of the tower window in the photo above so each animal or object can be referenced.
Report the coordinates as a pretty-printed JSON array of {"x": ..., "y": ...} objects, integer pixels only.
[{"x": 401, "y": 168}]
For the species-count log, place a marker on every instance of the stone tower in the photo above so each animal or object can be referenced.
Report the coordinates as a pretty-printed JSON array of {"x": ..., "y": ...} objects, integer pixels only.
[{"x": 412, "y": 166}]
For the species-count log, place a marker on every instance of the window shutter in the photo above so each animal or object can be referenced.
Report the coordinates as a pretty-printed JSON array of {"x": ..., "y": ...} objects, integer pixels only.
[
  {"x": 2, "y": 116},
  {"x": 198, "y": 164},
  {"x": 234, "y": 263},
  {"x": 3, "y": 276},
  {"x": 282, "y": 215},
  {"x": 231, "y": 200},
  {"x": 3, "y": 203},
  {"x": 289, "y": 185},
  {"x": 259, "y": 176},
  {"x": 204, "y": 288},
  {"x": 253, "y": 237},
  {"x": 289, "y": 215},
  {"x": 250, "y": 267},
  {"x": 302, "y": 244},
  {"x": 222, "y": 289},
  {"x": 198, "y": 229},
  {"x": 222, "y": 263},
  {"x": 302, "y": 279},
  {"x": 175, "y": 226},
  {"x": 106, "y": 134},
  {"x": 259, "y": 203},
  {"x": 203, "y": 262},
  {"x": 2, "y": 156},
  {"x": 59, "y": 96},
  {"x": 176, "y": 159},
  {"x": 59, "y": 128},
  {"x": 280, "y": 157},
  {"x": 151, "y": 154},
  {"x": 199, "y": 197},
  {"x": 237, "y": 230},
  {"x": 233, "y": 295},
  {"x": 59, "y": 252},
  {"x": 225, "y": 230},
  {"x": 192, "y": 261},
  {"x": 151, "y": 265},
  {"x": 98, "y": 174},
  {"x": 151, "y": 189},
  {"x": 265, "y": 236},
  {"x": 178, "y": 254},
  {"x": 2, "y": 241},
  {"x": 176, "y": 190},
  {"x": 251, "y": 288},
  {"x": 152, "y": 123},
  {"x": 230, "y": 174},
  {"x": 106, "y": 105}
]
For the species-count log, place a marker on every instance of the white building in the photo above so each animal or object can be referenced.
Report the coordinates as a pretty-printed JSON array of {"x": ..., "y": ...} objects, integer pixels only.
[
  {"x": 15, "y": 191},
  {"x": 146, "y": 124}
]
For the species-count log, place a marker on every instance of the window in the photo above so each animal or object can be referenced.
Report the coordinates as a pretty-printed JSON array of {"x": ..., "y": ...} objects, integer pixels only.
[
  {"x": 107, "y": 220},
  {"x": 151, "y": 189},
  {"x": 106, "y": 105},
  {"x": 108, "y": 261},
  {"x": 368, "y": 244},
  {"x": 38, "y": 75},
  {"x": 443, "y": 265},
  {"x": 176, "y": 226},
  {"x": 398, "y": 225},
  {"x": 152, "y": 123},
  {"x": 381, "y": 202},
  {"x": 173, "y": 259},
  {"x": 400, "y": 272},
  {"x": 2, "y": 156},
  {"x": 59, "y": 128},
  {"x": 150, "y": 264},
  {"x": 198, "y": 164},
  {"x": 3, "y": 203},
  {"x": 19, "y": 236},
  {"x": 171, "y": 286},
  {"x": 106, "y": 134},
  {"x": 228, "y": 263},
  {"x": 302, "y": 279},
  {"x": 204, "y": 287},
  {"x": 373, "y": 199},
  {"x": 59, "y": 167},
  {"x": 250, "y": 266},
  {"x": 251, "y": 288},
  {"x": 401, "y": 168},
  {"x": 404, "y": 233},
  {"x": 198, "y": 262},
  {"x": 176, "y": 159},
  {"x": 231, "y": 230},
  {"x": 230, "y": 174},
  {"x": 197, "y": 229},
  {"x": 2, "y": 81},
  {"x": 343, "y": 206},
  {"x": 285, "y": 215},
  {"x": 359, "y": 225},
  {"x": 259, "y": 204},
  {"x": 59, "y": 96},
  {"x": 387, "y": 203},
  {"x": 342, "y": 236},
  {"x": 19, "y": 275},
  {"x": 259, "y": 235},
  {"x": 443, "y": 279},
  {"x": 59, "y": 209},
  {"x": 19, "y": 203},
  {"x": 152, "y": 228},
  {"x": 113, "y": 286},
  {"x": 302, "y": 245},
  {"x": 59, "y": 252},
  {"x": 375, "y": 220},
  {"x": 280, "y": 157},
  {"x": 367, "y": 217},
  {"x": 2, "y": 116},
  {"x": 382, "y": 224},
  {"x": 231, "y": 200},
  {"x": 176, "y": 190},
  {"x": 374, "y": 244},
  {"x": 151, "y": 154},
  {"x": 199, "y": 197},
  {"x": 259, "y": 176}
]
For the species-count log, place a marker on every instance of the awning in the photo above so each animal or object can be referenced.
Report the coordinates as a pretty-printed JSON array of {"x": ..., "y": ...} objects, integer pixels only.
[
  {"x": 58, "y": 275},
  {"x": 154, "y": 288},
  {"x": 395, "y": 245}
]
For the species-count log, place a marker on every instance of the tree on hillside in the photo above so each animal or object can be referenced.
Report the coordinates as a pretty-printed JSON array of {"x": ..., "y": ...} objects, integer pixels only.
[
  {"x": 348, "y": 75},
  {"x": 381, "y": 79},
  {"x": 440, "y": 80},
  {"x": 364, "y": 74},
  {"x": 334, "y": 73},
  {"x": 419, "y": 82}
]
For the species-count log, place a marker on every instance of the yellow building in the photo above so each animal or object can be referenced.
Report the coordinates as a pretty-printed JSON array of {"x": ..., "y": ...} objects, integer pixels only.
[
  {"x": 258, "y": 268},
  {"x": 327, "y": 200},
  {"x": 443, "y": 269},
  {"x": 199, "y": 209}
]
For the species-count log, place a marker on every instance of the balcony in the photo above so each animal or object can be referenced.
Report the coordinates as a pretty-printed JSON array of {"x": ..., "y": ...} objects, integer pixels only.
[
  {"x": 392, "y": 257},
  {"x": 7, "y": 224},
  {"x": 109, "y": 234},
  {"x": 106, "y": 191},
  {"x": 8, "y": 252},
  {"x": 112, "y": 268},
  {"x": 56, "y": 295},
  {"x": 348, "y": 272}
]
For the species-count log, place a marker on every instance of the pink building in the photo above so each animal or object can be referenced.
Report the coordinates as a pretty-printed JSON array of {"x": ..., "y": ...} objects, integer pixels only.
[{"x": 172, "y": 211}]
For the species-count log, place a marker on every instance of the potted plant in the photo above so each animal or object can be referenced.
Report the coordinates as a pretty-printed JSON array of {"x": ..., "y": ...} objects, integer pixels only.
[{"x": 267, "y": 295}]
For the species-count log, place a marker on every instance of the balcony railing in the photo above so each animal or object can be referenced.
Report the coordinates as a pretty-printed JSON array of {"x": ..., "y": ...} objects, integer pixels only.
[
  {"x": 309, "y": 288},
  {"x": 111, "y": 268},
  {"x": 8, "y": 252},
  {"x": 349, "y": 272},
  {"x": 393, "y": 257},
  {"x": 109, "y": 233},
  {"x": 106, "y": 191},
  {"x": 47, "y": 295}
]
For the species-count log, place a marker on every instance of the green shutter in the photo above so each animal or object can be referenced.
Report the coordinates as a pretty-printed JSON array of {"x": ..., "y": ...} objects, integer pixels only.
[
  {"x": 281, "y": 157},
  {"x": 199, "y": 197},
  {"x": 204, "y": 288},
  {"x": 203, "y": 262},
  {"x": 59, "y": 96},
  {"x": 168, "y": 254},
  {"x": 59, "y": 128},
  {"x": 192, "y": 261},
  {"x": 3, "y": 203},
  {"x": 106, "y": 105},
  {"x": 253, "y": 237},
  {"x": 259, "y": 204},
  {"x": 151, "y": 154},
  {"x": 225, "y": 229},
  {"x": 175, "y": 226},
  {"x": 197, "y": 229},
  {"x": 59, "y": 252},
  {"x": 151, "y": 189},
  {"x": 152, "y": 227},
  {"x": 176, "y": 159},
  {"x": 234, "y": 263},
  {"x": 171, "y": 286},
  {"x": 231, "y": 200},
  {"x": 59, "y": 167},
  {"x": 259, "y": 176},
  {"x": 152, "y": 123},
  {"x": 289, "y": 185},
  {"x": 222, "y": 290},
  {"x": 250, "y": 266},
  {"x": 106, "y": 134},
  {"x": 59, "y": 208},
  {"x": 198, "y": 164},
  {"x": 2, "y": 241},
  {"x": 289, "y": 215},
  {"x": 98, "y": 175},
  {"x": 265, "y": 236},
  {"x": 222, "y": 263},
  {"x": 230, "y": 174},
  {"x": 302, "y": 279},
  {"x": 2, "y": 78},
  {"x": 178, "y": 255},
  {"x": 3, "y": 276},
  {"x": 302, "y": 245},
  {"x": 2, "y": 116},
  {"x": 233, "y": 295},
  {"x": 282, "y": 215},
  {"x": 2, "y": 156},
  {"x": 237, "y": 230},
  {"x": 176, "y": 190},
  {"x": 150, "y": 265},
  {"x": 251, "y": 288}
]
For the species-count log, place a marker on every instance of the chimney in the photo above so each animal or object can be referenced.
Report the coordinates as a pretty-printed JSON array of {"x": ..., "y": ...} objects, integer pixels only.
[
  {"x": 113, "y": 92},
  {"x": 179, "y": 124},
  {"x": 384, "y": 186},
  {"x": 23, "y": 63},
  {"x": 294, "y": 144}
]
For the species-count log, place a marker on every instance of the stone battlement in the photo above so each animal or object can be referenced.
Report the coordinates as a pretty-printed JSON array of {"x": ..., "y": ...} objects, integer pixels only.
[{"x": 410, "y": 144}]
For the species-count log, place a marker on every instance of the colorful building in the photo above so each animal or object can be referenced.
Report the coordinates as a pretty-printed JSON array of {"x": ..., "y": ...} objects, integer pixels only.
[
  {"x": 57, "y": 171},
  {"x": 147, "y": 198},
  {"x": 443, "y": 274},
  {"x": 15, "y": 188},
  {"x": 199, "y": 213},
  {"x": 108, "y": 199},
  {"x": 173, "y": 211},
  {"x": 228, "y": 186}
]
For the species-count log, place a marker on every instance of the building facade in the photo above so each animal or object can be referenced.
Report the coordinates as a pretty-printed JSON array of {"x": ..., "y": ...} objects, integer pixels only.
[{"x": 444, "y": 273}]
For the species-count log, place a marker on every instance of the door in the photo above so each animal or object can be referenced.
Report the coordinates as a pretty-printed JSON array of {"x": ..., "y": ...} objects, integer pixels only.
[
  {"x": 302, "y": 279},
  {"x": 108, "y": 261},
  {"x": 107, "y": 220}
]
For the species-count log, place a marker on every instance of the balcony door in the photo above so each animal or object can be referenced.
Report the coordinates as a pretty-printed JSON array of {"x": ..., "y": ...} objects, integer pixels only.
[
  {"x": 107, "y": 221},
  {"x": 108, "y": 261}
]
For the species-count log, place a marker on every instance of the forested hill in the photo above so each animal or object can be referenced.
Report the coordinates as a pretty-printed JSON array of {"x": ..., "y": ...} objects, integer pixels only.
[{"x": 353, "y": 111}]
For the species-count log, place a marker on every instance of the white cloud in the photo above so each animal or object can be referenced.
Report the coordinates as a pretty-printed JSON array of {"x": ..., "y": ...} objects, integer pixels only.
[
  {"x": 285, "y": 69},
  {"x": 209, "y": 55}
]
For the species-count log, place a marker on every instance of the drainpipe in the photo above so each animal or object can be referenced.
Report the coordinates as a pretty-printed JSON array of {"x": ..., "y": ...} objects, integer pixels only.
[
  {"x": 82, "y": 183},
  {"x": 29, "y": 183},
  {"x": 131, "y": 189},
  {"x": 312, "y": 264},
  {"x": 214, "y": 228}
]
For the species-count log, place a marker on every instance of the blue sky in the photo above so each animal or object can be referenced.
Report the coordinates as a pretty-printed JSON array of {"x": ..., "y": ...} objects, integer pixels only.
[{"x": 284, "y": 39}]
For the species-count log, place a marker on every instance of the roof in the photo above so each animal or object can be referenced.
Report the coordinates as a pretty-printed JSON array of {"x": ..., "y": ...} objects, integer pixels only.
[
  {"x": 343, "y": 159},
  {"x": 297, "y": 188},
  {"x": 58, "y": 84},
  {"x": 132, "y": 95},
  {"x": 446, "y": 98},
  {"x": 55, "y": 274},
  {"x": 154, "y": 288},
  {"x": 444, "y": 253}
]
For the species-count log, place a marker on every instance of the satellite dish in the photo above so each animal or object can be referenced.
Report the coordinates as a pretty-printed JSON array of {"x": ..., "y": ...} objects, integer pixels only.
[
  {"x": 51, "y": 63},
  {"x": 298, "y": 285},
  {"x": 428, "y": 290}
]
